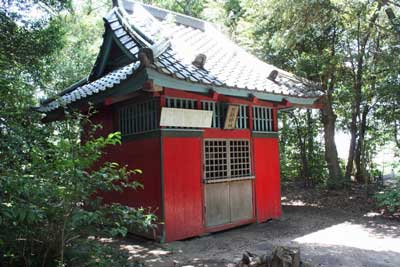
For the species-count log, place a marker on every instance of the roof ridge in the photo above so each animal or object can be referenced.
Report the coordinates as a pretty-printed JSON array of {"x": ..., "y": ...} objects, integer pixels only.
[
  {"x": 161, "y": 13},
  {"x": 138, "y": 34}
]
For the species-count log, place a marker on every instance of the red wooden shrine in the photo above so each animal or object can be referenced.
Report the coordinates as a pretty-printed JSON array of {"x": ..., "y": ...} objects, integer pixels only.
[{"x": 199, "y": 174}]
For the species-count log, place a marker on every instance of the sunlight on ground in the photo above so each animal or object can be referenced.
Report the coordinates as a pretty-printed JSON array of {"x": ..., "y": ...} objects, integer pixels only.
[
  {"x": 354, "y": 235},
  {"x": 372, "y": 214},
  {"x": 146, "y": 254},
  {"x": 297, "y": 202}
]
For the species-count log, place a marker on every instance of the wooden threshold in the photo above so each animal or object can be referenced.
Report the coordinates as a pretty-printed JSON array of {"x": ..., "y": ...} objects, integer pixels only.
[{"x": 229, "y": 225}]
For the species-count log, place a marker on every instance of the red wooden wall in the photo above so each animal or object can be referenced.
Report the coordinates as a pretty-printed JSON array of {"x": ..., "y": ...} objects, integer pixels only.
[
  {"x": 143, "y": 154},
  {"x": 268, "y": 193},
  {"x": 172, "y": 173},
  {"x": 183, "y": 212}
]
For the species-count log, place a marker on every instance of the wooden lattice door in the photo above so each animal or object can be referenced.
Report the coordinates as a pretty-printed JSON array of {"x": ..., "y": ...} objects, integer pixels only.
[{"x": 228, "y": 181}]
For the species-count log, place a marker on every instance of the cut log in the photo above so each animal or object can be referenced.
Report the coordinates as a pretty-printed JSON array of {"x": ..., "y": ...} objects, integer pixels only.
[
  {"x": 285, "y": 257},
  {"x": 281, "y": 257},
  {"x": 251, "y": 259}
]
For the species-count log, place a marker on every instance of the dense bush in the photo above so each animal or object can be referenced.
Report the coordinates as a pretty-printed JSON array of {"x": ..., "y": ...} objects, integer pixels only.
[
  {"x": 389, "y": 199},
  {"x": 48, "y": 202},
  {"x": 49, "y": 214}
]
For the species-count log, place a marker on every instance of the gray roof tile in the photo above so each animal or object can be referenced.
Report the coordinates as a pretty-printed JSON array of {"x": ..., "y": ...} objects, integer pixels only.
[
  {"x": 124, "y": 39},
  {"x": 227, "y": 64},
  {"x": 179, "y": 39},
  {"x": 130, "y": 45},
  {"x": 115, "y": 25},
  {"x": 102, "y": 84},
  {"x": 119, "y": 32}
]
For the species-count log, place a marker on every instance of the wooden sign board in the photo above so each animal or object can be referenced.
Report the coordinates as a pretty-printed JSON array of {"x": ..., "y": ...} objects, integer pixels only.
[
  {"x": 231, "y": 117},
  {"x": 179, "y": 117}
]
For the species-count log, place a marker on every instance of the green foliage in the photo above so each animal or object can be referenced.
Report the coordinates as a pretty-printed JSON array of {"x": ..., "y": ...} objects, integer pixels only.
[
  {"x": 83, "y": 36},
  {"x": 301, "y": 149},
  {"x": 50, "y": 209},
  {"x": 389, "y": 200},
  {"x": 338, "y": 43},
  {"x": 50, "y": 201},
  {"x": 188, "y": 7},
  {"x": 93, "y": 253}
]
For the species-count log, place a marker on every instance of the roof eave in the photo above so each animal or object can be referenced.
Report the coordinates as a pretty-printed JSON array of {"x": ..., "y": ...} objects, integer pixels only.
[
  {"x": 65, "y": 91},
  {"x": 131, "y": 84},
  {"x": 170, "y": 82}
]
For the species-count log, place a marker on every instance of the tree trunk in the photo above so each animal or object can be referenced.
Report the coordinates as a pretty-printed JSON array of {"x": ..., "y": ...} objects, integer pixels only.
[
  {"x": 396, "y": 138},
  {"x": 359, "y": 156},
  {"x": 310, "y": 148},
  {"x": 282, "y": 144},
  {"x": 328, "y": 119},
  {"x": 353, "y": 129},
  {"x": 357, "y": 86},
  {"x": 304, "y": 160},
  {"x": 331, "y": 156},
  {"x": 303, "y": 153}
]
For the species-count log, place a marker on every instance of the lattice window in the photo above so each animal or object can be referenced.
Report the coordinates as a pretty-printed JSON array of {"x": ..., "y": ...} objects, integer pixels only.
[
  {"x": 225, "y": 159},
  {"x": 138, "y": 117},
  {"x": 262, "y": 119},
  {"x": 219, "y": 114},
  {"x": 172, "y": 102},
  {"x": 213, "y": 106},
  {"x": 239, "y": 158},
  {"x": 216, "y": 160},
  {"x": 241, "y": 122}
]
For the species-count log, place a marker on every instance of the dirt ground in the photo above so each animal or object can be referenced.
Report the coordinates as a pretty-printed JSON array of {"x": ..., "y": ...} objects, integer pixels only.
[{"x": 331, "y": 229}]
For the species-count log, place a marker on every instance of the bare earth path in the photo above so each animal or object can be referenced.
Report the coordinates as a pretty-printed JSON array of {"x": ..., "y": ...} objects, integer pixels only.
[{"x": 336, "y": 230}]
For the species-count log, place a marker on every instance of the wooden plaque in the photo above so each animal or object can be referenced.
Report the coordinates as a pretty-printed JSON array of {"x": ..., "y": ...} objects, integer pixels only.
[
  {"x": 179, "y": 117},
  {"x": 231, "y": 117}
]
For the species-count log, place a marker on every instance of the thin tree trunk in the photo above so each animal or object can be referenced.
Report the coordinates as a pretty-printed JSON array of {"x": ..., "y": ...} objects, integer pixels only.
[
  {"x": 303, "y": 153},
  {"x": 353, "y": 130},
  {"x": 283, "y": 136},
  {"x": 396, "y": 138},
  {"x": 359, "y": 162},
  {"x": 358, "y": 83},
  {"x": 355, "y": 110},
  {"x": 310, "y": 147}
]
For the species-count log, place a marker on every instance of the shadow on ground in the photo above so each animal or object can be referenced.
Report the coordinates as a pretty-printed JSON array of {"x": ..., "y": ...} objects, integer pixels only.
[{"x": 328, "y": 234}]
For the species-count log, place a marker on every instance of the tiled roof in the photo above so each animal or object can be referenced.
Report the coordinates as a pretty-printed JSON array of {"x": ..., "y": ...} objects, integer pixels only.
[
  {"x": 100, "y": 85},
  {"x": 226, "y": 63},
  {"x": 176, "y": 40}
]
